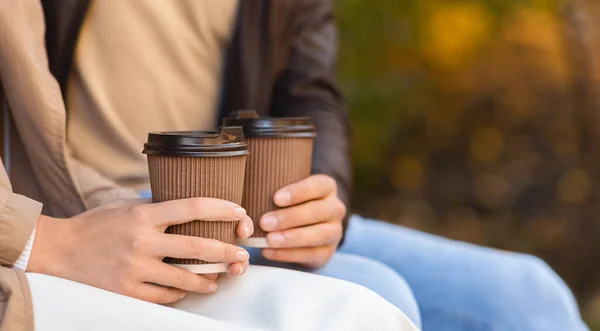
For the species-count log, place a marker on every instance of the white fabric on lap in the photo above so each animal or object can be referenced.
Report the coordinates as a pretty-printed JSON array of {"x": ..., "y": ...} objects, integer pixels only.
[
  {"x": 265, "y": 298},
  {"x": 61, "y": 305}
]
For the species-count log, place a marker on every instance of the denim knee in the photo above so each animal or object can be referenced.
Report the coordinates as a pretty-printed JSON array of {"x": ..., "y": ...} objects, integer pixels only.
[
  {"x": 535, "y": 295},
  {"x": 540, "y": 280},
  {"x": 555, "y": 289}
]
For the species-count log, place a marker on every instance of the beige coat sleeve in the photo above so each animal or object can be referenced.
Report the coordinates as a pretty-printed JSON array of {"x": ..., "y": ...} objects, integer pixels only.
[
  {"x": 18, "y": 214},
  {"x": 38, "y": 109},
  {"x": 35, "y": 101},
  {"x": 16, "y": 310}
]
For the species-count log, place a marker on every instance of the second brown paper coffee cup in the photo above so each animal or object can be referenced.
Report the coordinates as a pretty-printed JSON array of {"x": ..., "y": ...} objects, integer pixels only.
[
  {"x": 198, "y": 164},
  {"x": 280, "y": 154}
]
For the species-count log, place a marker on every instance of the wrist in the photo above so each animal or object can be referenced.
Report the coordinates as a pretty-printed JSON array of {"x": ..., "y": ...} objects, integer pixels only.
[{"x": 49, "y": 245}]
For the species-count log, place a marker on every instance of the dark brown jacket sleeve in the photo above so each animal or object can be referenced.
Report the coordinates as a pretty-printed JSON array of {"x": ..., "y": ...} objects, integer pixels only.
[{"x": 307, "y": 87}]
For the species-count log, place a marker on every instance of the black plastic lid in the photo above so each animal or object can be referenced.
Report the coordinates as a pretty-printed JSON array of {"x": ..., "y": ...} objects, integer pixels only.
[
  {"x": 256, "y": 126},
  {"x": 229, "y": 142}
]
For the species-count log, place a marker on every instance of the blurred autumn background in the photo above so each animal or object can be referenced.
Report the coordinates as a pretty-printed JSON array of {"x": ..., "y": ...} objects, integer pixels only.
[{"x": 478, "y": 120}]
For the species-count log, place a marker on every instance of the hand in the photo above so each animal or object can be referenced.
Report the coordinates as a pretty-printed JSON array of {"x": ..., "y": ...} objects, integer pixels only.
[
  {"x": 120, "y": 246},
  {"x": 308, "y": 230}
]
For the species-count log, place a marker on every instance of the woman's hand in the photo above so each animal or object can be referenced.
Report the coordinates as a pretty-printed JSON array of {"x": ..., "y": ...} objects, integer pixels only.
[{"x": 120, "y": 246}]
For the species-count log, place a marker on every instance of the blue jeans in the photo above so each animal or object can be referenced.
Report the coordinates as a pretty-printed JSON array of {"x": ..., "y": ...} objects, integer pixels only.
[{"x": 443, "y": 284}]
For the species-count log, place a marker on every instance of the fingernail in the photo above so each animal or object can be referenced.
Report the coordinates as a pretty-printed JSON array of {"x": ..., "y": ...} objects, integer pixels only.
[
  {"x": 247, "y": 231},
  {"x": 275, "y": 239},
  {"x": 268, "y": 223},
  {"x": 212, "y": 287},
  {"x": 242, "y": 256},
  {"x": 182, "y": 295},
  {"x": 241, "y": 271},
  {"x": 239, "y": 212},
  {"x": 283, "y": 198}
]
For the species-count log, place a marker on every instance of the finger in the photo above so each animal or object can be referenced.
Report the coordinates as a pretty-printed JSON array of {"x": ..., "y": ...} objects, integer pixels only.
[
  {"x": 186, "y": 210},
  {"x": 305, "y": 214},
  {"x": 309, "y": 236},
  {"x": 171, "y": 276},
  {"x": 311, "y": 257},
  {"x": 157, "y": 294},
  {"x": 245, "y": 228},
  {"x": 238, "y": 269},
  {"x": 211, "y": 276},
  {"x": 188, "y": 247},
  {"x": 311, "y": 188}
]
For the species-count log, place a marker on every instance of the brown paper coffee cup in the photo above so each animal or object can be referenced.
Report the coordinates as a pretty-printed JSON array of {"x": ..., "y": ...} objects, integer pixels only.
[
  {"x": 198, "y": 164},
  {"x": 280, "y": 154}
]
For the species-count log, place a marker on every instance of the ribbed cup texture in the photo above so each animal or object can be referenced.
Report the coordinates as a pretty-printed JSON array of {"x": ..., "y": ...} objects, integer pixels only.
[
  {"x": 272, "y": 164},
  {"x": 174, "y": 178}
]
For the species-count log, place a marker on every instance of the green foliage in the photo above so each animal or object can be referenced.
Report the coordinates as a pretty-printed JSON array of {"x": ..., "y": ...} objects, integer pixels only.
[
  {"x": 386, "y": 72},
  {"x": 468, "y": 122}
]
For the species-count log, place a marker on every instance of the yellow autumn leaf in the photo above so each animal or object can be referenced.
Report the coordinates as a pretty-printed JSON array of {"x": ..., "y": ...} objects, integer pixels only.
[{"x": 453, "y": 31}]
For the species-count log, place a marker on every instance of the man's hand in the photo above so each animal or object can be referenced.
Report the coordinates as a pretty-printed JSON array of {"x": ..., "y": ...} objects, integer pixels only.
[
  {"x": 309, "y": 227},
  {"x": 120, "y": 246}
]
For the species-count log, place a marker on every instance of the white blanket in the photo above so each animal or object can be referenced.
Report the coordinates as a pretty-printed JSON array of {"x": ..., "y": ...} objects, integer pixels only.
[{"x": 264, "y": 299}]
